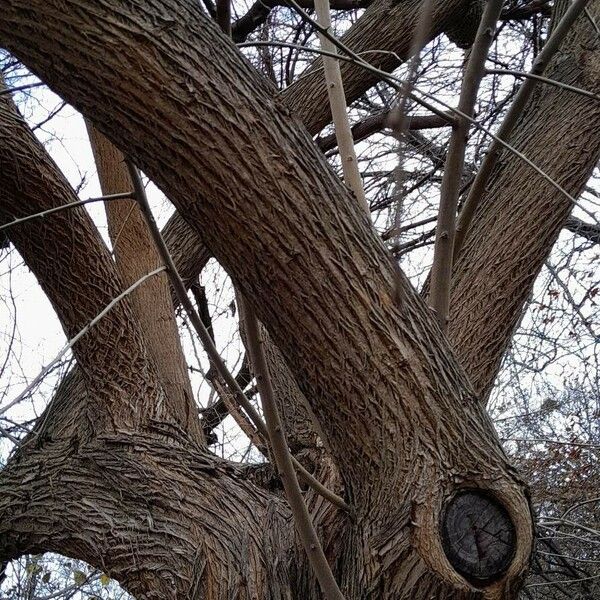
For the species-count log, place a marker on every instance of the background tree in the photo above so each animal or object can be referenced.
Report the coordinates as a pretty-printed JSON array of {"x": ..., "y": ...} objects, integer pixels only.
[{"x": 374, "y": 398}]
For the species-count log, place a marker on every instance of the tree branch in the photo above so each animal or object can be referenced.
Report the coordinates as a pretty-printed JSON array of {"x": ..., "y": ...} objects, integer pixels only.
[
  {"x": 441, "y": 271},
  {"x": 283, "y": 459}
]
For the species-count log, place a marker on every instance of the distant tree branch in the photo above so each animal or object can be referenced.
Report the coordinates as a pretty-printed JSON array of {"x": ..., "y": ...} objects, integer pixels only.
[
  {"x": 378, "y": 122},
  {"x": 590, "y": 231}
]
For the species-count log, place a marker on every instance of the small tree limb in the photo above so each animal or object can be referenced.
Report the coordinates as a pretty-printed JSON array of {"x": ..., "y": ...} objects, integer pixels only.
[
  {"x": 283, "y": 460},
  {"x": 508, "y": 124},
  {"x": 337, "y": 101},
  {"x": 441, "y": 271}
]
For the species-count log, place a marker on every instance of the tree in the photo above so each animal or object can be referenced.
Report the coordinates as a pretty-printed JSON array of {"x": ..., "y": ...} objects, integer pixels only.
[{"x": 117, "y": 471}]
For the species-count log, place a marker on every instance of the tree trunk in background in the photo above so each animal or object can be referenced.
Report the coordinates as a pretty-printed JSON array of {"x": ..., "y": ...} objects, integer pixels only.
[
  {"x": 398, "y": 413},
  {"x": 520, "y": 216},
  {"x": 136, "y": 255}
]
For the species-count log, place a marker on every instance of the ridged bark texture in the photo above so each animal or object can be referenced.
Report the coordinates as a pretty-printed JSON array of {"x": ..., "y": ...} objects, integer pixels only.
[
  {"x": 154, "y": 511},
  {"x": 77, "y": 274},
  {"x": 136, "y": 255},
  {"x": 107, "y": 470},
  {"x": 520, "y": 216}
]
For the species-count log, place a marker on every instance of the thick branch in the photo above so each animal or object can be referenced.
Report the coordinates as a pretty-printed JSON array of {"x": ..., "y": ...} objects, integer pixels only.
[
  {"x": 386, "y": 28},
  {"x": 78, "y": 276},
  {"x": 136, "y": 255},
  {"x": 196, "y": 527},
  {"x": 589, "y": 231},
  {"x": 378, "y": 122},
  {"x": 520, "y": 216}
]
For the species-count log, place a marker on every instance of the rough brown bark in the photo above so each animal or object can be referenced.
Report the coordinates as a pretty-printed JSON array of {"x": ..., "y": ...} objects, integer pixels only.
[
  {"x": 155, "y": 512},
  {"x": 135, "y": 256},
  {"x": 78, "y": 276},
  {"x": 300, "y": 424},
  {"x": 397, "y": 410},
  {"x": 107, "y": 468},
  {"x": 520, "y": 216}
]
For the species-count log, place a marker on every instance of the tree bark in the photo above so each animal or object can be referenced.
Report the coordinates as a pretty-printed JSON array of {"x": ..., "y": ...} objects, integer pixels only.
[
  {"x": 79, "y": 278},
  {"x": 108, "y": 470},
  {"x": 397, "y": 410},
  {"x": 136, "y": 255}
]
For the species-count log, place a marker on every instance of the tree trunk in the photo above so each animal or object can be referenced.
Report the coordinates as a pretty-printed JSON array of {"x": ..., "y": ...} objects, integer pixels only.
[
  {"x": 521, "y": 215},
  {"x": 398, "y": 412},
  {"x": 136, "y": 255}
]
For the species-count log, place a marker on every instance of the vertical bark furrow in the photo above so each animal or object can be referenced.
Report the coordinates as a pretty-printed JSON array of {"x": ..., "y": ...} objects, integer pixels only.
[{"x": 135, "y": 256}]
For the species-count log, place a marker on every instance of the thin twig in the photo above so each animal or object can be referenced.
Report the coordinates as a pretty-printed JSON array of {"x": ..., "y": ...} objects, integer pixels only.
[
  {"x": 78, "y": 336},
  {"x": 21, "y": 88},
  {"x": 283, "y": 460},
  {"x": 50, "y": 211},
  {"x": 554, "y": 82},
  {"x": 441, "y": 270},
  {"x": 339, "y": 113}
]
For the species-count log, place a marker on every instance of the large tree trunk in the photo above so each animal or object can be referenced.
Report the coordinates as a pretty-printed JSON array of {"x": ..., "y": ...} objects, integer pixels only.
[
  {"x": 521, "y": 215},
  {"x": 397, "y": 411},
  {"x": 110, "y": 467}
]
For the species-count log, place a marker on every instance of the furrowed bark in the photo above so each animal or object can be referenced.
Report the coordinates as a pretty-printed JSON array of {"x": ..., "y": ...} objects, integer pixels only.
[
  {"x": 136, "y": 255},
  {"x": 79, "y": 278},
  {"x": 187, "y": 249},
  {"x": 384, "y": 33},
  {"x": 520, "y": 216},
  {"x": 397, "y": 410},
  {"x": 153, "y": 511},
  {"x": 94, "y": 481},
  {"x": 302, "y": 428}
]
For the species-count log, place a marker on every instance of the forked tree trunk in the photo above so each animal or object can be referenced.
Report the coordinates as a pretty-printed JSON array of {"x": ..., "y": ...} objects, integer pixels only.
[{"x": 399, "y": 415}]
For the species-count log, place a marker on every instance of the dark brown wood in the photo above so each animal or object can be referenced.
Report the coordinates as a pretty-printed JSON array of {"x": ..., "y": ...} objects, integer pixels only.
[{"x": 478, "y": 536}]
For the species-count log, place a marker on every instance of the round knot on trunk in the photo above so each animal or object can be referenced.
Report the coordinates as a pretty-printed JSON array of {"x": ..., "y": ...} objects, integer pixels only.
[{"x": 478, "y": 536}]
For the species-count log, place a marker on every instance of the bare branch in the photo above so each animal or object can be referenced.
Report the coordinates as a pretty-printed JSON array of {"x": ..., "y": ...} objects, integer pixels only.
[
  {"x": 283, "y": 459},
  {"x": 441, "y": 271}
]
